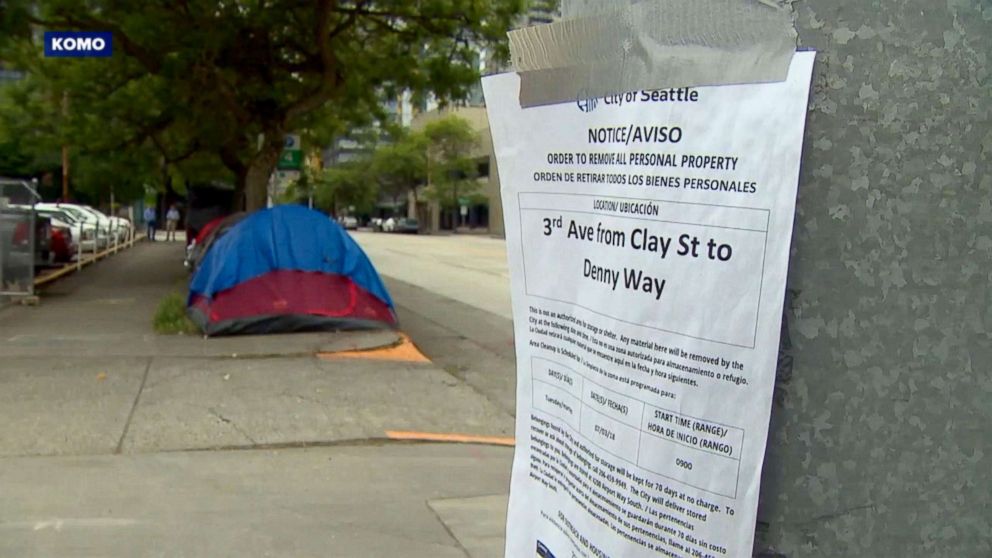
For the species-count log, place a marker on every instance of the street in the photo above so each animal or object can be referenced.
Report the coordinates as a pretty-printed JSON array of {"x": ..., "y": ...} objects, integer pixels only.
[
  {"x": 121, "y": 442},
  {"x": 471, "y": 269}
]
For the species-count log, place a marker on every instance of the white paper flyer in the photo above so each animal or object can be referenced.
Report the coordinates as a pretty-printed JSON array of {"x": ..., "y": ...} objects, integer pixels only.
[{"x": 648, "y": 236}]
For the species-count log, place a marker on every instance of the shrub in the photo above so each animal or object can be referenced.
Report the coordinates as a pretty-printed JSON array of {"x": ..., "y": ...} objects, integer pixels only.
[{"x": 170, "y": 317}]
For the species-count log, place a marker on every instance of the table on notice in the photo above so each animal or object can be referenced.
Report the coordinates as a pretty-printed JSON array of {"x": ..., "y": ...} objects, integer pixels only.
[{"x": 696, "y": 452}]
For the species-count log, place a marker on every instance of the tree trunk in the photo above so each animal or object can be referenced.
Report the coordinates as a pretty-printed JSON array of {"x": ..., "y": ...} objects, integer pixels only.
[
  {"x": 413, "y": 211},
  {"x": 171, "y": 195},
  {"x": 455, "y": 212},
  {"x": 238, "y": 200},
  {"x": 256, "y": 180}
]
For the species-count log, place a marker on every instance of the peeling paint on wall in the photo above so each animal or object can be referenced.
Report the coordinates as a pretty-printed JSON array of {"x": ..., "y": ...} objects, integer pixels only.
[{"x": 879, "y": 443}]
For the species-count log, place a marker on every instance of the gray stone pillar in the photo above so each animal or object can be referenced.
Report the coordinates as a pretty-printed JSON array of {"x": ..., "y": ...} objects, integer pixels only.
[{"x": 880, "y": 442}]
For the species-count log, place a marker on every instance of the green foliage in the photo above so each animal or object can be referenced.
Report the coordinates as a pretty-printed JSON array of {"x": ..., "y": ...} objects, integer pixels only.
[
  {"x": 170, "y": 317},
  {"x": 347, "y": 187},
  {"x": 200, "y": 168},
  {"x": 300, "y": 190},
  {"x": 204, "y": 76},
  {"x": 25, "y": 148},
  {"x": 121, "y": 174},
  {"x": 452, "y": 160},
  {"x": 36, "y": 120},
  {"x": 400, "y": 166},
  {"x": 443, "y": 155}
]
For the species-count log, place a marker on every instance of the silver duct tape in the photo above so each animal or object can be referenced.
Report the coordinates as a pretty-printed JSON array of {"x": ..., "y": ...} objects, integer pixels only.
[
  {"x": 653, "y": 44},
  {"x": 571, "y": 9}
]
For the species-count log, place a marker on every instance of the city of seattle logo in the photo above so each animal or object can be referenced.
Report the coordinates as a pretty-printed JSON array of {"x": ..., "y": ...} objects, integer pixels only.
[{"x": 585, "y": 101}]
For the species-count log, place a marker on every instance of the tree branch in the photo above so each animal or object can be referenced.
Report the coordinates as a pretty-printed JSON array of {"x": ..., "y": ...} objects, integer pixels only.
[
  {"x": 115, "y": 87},
  {"x": 193, "y": 149},
  {"x": 346, "y": 22},
  {"x": 329, "y": 76},
  {"x": 228, "y": 154},
  {"x": 145, "y": 132}
]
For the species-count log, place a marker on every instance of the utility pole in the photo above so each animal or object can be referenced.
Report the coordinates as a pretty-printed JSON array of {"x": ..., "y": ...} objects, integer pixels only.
[
  {"x": 435, "y": 206},
  {"x": 311, "y": 186},
  {"x": 65, "y": 149}
]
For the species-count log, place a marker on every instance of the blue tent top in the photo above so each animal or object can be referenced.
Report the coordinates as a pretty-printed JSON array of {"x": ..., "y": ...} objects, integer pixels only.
[{"x": 285, "y": 237}]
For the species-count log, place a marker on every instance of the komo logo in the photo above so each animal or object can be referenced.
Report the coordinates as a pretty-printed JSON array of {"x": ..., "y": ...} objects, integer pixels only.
[{"x": 78, "y": 44}]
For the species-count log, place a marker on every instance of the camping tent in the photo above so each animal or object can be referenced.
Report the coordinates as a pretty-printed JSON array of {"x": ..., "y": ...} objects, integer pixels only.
[
  {"x": 286, "y": 269},
  {"x": 209, "y": 234}
]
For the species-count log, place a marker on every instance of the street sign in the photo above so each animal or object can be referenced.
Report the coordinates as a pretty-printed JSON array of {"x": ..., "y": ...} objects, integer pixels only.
[
  {"x": 292, "y": 156},
  {"x": 290, "y": 160}
]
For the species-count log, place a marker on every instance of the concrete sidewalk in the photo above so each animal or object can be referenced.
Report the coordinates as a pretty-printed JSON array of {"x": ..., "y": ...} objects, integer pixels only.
[
  {"x": 471, "y": 344},
  {"x": 107, "y": 309},
  {"x": 335, "y": 501},
  {"x": 119, "y": 442}
]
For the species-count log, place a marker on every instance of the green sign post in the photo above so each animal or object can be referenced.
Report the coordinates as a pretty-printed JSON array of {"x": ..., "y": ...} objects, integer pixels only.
[
  {"x": 291, "y": 157},
  {"x": 290, "y": 160}
]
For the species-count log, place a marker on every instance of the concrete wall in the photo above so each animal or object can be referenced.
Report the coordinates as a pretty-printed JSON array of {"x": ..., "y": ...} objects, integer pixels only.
[{"x": 880, "y": 442}]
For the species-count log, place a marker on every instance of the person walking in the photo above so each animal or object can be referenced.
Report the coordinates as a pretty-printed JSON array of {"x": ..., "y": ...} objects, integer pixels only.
[
  {"x": 171, "y": 223},
  {"x": 150, "y": 222}
]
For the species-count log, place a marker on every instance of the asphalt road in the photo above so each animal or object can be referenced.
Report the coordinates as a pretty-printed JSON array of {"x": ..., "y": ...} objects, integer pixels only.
[{"x": 468, "y": 268}]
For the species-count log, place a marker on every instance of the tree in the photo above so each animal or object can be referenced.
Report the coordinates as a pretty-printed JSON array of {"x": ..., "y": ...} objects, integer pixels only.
[
  {"x": 19, "y": 149},
  {"x": 452, "y": 160},
  {"x": 346, "y": 186},
  {"x": 231, "y": 78},
  {"x": 104, "y": 123},
  {"x": 400, "y": 167}
]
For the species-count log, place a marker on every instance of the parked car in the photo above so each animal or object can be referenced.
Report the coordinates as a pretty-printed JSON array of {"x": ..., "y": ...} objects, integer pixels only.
[
  {"x": 62, "y": 249},
  {"x": 109, "y": 225},
  {"x": 102, "y": 229},
  {"x": 348, "y": 222},
  {"x": 83, "y": 235},
  {"x": 121, "y": 227},
  {"x": 401, "y": 225},
  {"x": 101, "y": 237}
]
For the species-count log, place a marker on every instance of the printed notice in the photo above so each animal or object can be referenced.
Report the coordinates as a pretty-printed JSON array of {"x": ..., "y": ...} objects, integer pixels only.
[{"x": 648, "y": 236}]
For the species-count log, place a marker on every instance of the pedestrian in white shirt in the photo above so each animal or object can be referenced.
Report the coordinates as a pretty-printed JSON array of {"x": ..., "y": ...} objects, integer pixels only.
[{"x": 171, "y": 222}]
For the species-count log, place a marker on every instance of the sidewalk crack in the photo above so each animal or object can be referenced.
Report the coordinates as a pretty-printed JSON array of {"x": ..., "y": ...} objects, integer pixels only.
[
  {"x": 233, "y": 425},
  {"x": 447, "y": 529},
  {"x": 134, "y": 406}
]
